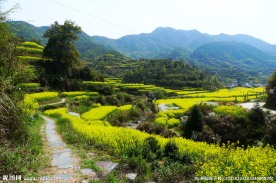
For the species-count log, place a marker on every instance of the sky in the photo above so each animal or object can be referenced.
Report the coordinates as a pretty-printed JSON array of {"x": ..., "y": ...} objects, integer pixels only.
[{"x": 116, "y": 18}]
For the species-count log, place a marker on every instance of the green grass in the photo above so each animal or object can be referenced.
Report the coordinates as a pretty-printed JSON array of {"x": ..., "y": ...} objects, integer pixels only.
[{"x": 26, "y": 158}]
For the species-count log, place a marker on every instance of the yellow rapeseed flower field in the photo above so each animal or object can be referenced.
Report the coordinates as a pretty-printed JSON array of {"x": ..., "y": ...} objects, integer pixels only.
[
  {"x": 98, "y": 113},
  {"x": 211, "y": 160},
  {"x": 42, "y": 96}
]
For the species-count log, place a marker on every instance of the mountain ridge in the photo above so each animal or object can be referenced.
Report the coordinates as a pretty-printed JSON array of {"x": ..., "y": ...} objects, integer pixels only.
[
  {"x": 240, "y": 54},
  {"x": 86, "y": 45},
  {"x": 171, "y": 38}
]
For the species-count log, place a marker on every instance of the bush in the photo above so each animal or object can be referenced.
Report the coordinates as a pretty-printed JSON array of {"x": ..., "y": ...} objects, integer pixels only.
[
  {"x": 137, "y": 164},
  {"x": 256, "y": 115},
  {"x": 118, "y": 118},
  {"x": 151, "y": 149},
  {"x": 174, "y": 172},
  {"x": 173, "y": 122},
  {"x": 194, "y": 122},
  {"x": 226, "y": 128},
  {"x": 12, "y": 124},
  {"x": 152, "y": 128},
  {"x": 271, "y": 92},
  {"x": 112, "y": 100},
  {"x": 171, "y": 151},
  {"x": 168, "y": 133},
  {"x": 135, "y": 112},
  {"x": 272, "y": 133}
]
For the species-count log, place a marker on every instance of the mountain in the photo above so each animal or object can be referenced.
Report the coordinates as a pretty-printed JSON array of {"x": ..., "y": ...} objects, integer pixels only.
[
  {"x": 165, "y": 39},
  {"x": 142, "y": 46},
  {"x": 234, "y": 60},
  {"x": 28, "y": 31},
  {"x": 228, "y": 56},
  {"x": 240, "y": 57},
  {"x": 87, "y": 47}
]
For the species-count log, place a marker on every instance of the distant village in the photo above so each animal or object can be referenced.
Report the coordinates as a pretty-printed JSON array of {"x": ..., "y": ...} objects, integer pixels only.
[{"x": 246, "y": 84}]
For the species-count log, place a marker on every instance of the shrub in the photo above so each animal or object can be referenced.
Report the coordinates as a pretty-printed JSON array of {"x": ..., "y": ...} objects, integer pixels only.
[
  {"x": 137, "y": 164},
  {"x": 168, "y": 133},
  {"x": 161, "y": 121},
  {"x": 135, "y": 112},
  {"x": 151, "y": 149},
  {"x": 171, "y": 150},
  {"x": 194, "y": 122},
  {"x": 172, "y": 122},
  {"x": 152, "y": 128},
  {"x": 174, "y": 172},
  {"x": 12, "y": 124}
]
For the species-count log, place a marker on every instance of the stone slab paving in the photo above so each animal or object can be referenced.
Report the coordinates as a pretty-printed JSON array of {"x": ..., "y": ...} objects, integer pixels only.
[
  {"x": 61, "y": 155},
  {"x": 62, "y": 158},
  {"x": 86, "y": 171},
  {"x": 74, "y": 114},
  {"x": 250, "y": 105},
  {"x": 106, "y": 166},
  {"x": 131, "y": 176}
]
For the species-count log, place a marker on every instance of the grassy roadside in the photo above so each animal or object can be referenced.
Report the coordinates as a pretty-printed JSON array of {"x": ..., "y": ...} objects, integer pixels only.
[{"x": 27, "y": 157}]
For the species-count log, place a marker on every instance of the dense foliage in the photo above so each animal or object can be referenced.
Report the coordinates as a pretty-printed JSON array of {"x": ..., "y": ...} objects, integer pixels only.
[
  {"x": 60, "y": 46},
  {"x": 20, "y": 139},
  {"x": 65, "y": 71},
  {"x": 246, "y": 59},
  {"x": 271, "y": 91},
  {"x": 87, "y": 47},
  {"x": 172, "y": 74},
  {"x": 236, "y": 61}
]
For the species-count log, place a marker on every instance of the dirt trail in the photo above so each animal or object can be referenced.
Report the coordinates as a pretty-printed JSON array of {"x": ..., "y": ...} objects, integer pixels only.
[{"x": 56, "y": 103}]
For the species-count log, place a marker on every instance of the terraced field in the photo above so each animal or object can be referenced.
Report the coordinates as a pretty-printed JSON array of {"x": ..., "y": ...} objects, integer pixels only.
[{"x": 210, "y": 160}]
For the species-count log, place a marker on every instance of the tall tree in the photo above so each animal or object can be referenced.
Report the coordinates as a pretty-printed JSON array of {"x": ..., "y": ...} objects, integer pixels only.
[
  {"x": 194, "y": 122},
  {"x": 60, "y": 47},
  {"x": 271, "y": 92}
]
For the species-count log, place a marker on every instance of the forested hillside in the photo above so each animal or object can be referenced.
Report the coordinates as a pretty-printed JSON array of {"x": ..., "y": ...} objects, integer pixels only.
[
  {"x": 235, "y": 60},
  {"x": 172, "y": 74},
  {"x": 86, "y": 45},
  {"x": 231, "y": 58}
]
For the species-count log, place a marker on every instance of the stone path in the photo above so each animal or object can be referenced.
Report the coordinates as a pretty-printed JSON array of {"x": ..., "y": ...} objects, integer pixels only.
[
  {"x": 63, "y": 167},
  {"x": 56, "y": 103},
  {"x": 165, "y": 107},
  {"x": 250, "y": 105}
]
